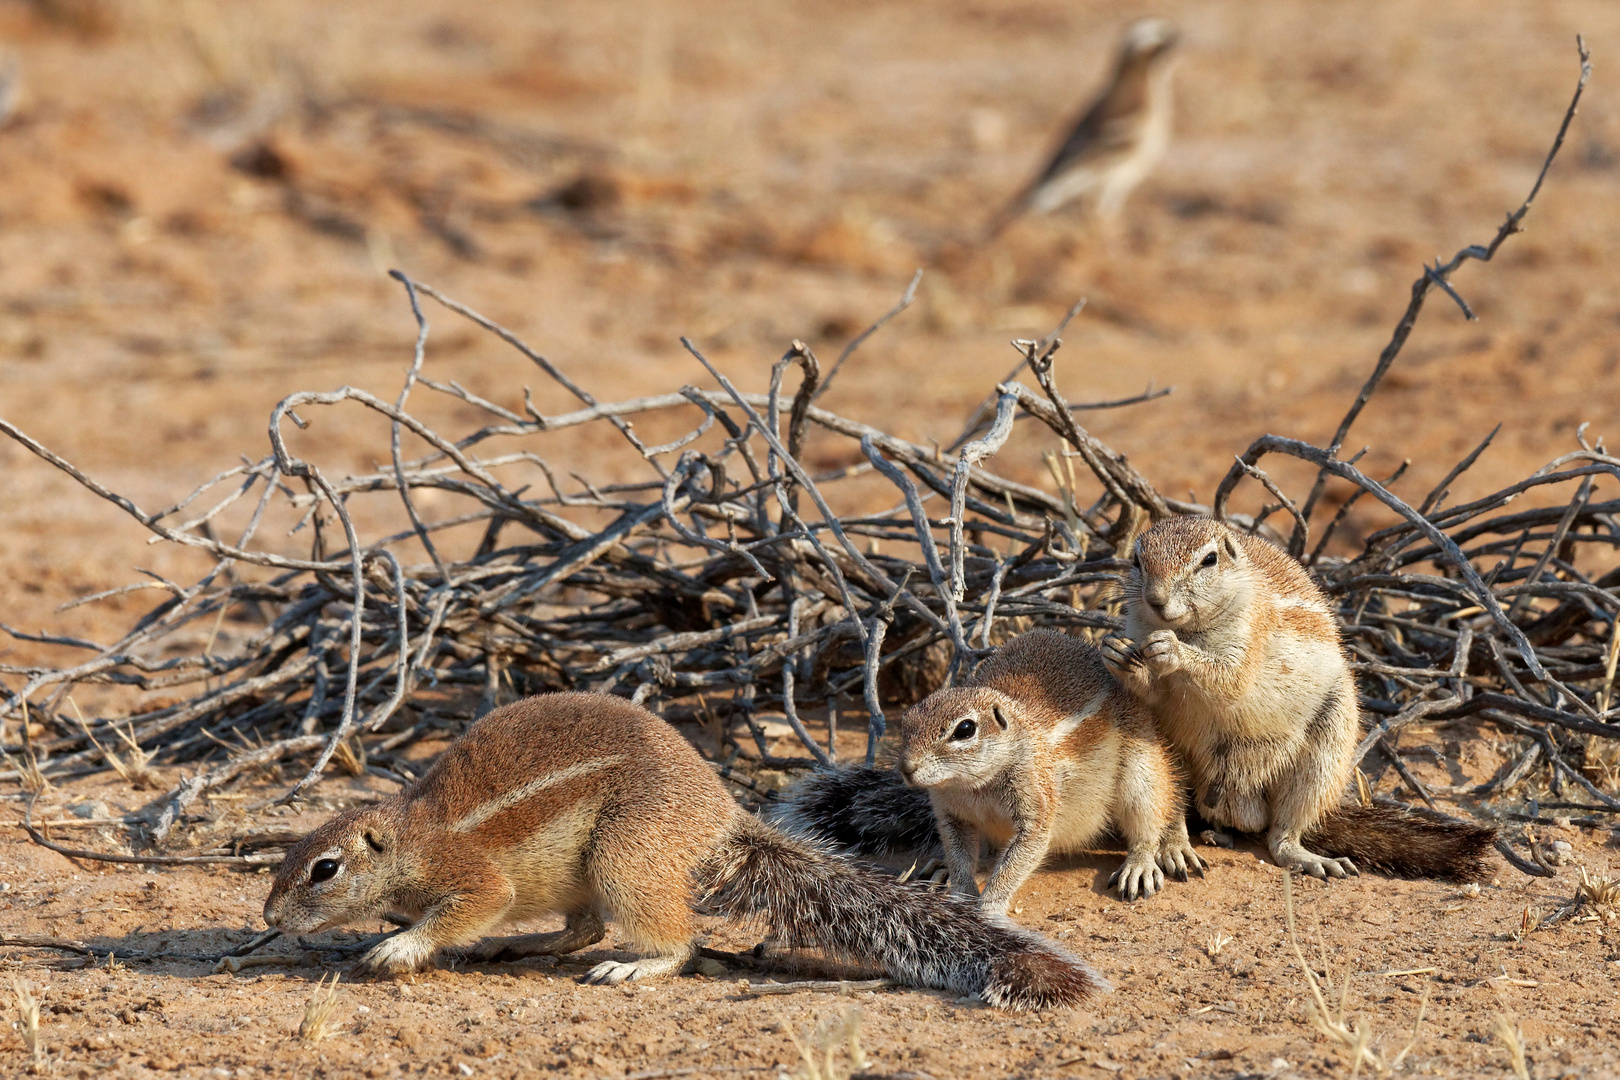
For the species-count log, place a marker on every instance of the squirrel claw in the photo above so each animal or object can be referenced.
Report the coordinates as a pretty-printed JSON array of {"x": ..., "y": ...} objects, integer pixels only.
[
  {"x": 1294, "y": 857},
  {"x": 1180, "y": 861},
  {"x": 1119, "y": 653},
  {"x": 394, "y": 955},
  {"x": 612, "y": 972},
  {"x": 1161, "y": 651},
  {"x": 1139, "y": 877}
]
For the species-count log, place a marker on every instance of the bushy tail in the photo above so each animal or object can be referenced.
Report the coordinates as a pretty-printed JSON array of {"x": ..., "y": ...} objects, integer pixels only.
[
  {"x": 860, "y": 810},
  {"x": 810, "y": 898},
  {"x": 1402, "y": 842}
]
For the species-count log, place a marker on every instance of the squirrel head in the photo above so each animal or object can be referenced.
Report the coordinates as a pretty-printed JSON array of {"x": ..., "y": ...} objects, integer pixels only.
[
  {"x": 957, "y": 737},
  {"x": 1147, "y": 38},
  {"x": 342, "y": 872},
  {"x": 1187, "y": 573}
]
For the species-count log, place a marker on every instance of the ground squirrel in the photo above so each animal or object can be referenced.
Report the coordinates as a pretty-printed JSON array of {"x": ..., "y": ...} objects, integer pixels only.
[
  {"x": 590, "y": 806},
  {"x": 1041, "y": 752},
  {"x": 1117, "y": 140},
  {"x": 1237, "y": 651}
]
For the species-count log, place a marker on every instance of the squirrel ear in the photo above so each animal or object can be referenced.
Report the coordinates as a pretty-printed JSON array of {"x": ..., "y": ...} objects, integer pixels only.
[
  {"x": 373, "y": 842},
  {"x": 995, "y": 710},
  {"x": 1230, "y": 545}
]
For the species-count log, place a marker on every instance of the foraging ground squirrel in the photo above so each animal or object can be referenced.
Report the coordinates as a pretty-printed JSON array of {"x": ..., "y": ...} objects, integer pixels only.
[
  {"x": 1041, "y": 753},
  {"x": 590, "y": 806},
  {"x": 1237, "y": 651}
]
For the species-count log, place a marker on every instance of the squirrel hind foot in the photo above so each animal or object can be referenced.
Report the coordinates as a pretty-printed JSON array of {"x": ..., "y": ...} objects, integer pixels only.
[
  {"x": 613, "y": 972},
  {"x": 1290, "y": 855}
]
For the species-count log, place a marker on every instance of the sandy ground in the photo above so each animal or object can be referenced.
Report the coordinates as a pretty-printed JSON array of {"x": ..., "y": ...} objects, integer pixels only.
[
  {"x": 1206, "y": 983},
  {"x": 197, "y": 202}
]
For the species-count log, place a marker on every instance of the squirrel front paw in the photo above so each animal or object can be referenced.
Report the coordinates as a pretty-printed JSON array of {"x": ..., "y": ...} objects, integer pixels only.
[
  {"x": 1178, "y": 859},
  {"x": 1119, "y": 655},
  {"x": 1140, "y": 876},
  {"x": 1161, "y": 651},
  {"x": 397, "y": 955}
]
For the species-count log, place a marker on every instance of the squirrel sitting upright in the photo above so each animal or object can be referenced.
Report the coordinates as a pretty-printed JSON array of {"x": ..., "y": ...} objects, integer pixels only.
[
  {"x": 1041, "y": 752},
  {"x": 592, "y": 807},
  {"x": 1237, "y": 652}
]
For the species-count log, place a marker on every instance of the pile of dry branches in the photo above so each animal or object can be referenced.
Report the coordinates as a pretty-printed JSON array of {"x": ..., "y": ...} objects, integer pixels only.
[{"x": 724, "y": 586}]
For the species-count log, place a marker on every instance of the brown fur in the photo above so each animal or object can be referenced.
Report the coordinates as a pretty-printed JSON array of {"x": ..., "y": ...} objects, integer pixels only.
[
  {"x": 590, "y": 806},
  {"x": 1405, "y": 842},
  {"x": 1059, "y": 753},
  {"x": 1237, "y": 651}
]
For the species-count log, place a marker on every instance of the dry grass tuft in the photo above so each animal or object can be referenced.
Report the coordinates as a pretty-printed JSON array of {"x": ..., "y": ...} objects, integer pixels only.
[
  {"x": 818, "y": 1052},
  {"x": 351, "y": 756},
  {"x": 1331, "y": 1021},
  {"x": 1506, "y": 1030},
  {"x": 133, "y": 767},
  {"x": 32, "y": 779},
  {"x": 1215, "y": 943},
  {"x": 1529, "y": 923},
  {"x": 318, "y": 1011},
  {"x": 27, "y": 1025},
  {"x": 1597, "y": 892}
]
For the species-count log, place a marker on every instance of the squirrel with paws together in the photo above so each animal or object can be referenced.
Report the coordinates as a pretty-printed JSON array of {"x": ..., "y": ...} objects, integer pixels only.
[
  {"x": 1236, "y": 651},
  {"x": 592, "y": 807}
]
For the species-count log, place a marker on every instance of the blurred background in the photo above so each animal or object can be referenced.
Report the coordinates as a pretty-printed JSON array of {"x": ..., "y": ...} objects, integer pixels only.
[{"x": 199, "y": 200}]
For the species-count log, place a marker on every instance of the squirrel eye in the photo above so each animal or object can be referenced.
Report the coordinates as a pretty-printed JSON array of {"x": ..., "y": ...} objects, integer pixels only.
[
  {"x": 323, "y": 870},
  {"x": 1209, "y": 560},
  {"x": 965, "y": 730}
]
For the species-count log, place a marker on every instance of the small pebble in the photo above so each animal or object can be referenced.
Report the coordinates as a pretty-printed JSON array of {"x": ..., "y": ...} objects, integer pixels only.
[
  {"x": 708, "y": 965},
  {"x": 1471, "y": 889}
]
